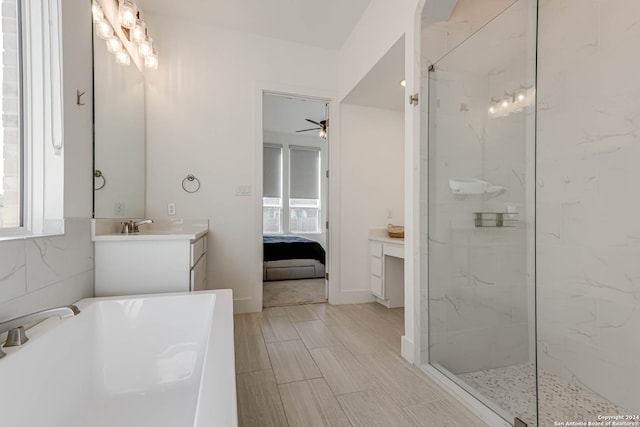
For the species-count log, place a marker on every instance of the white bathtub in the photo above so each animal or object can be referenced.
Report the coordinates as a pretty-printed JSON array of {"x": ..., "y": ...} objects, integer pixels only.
[{"x": 155, "y": 360}]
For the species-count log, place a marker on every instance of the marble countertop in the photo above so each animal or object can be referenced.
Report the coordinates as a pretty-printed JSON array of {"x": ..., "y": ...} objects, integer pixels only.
[
  {"x": 381, "y": 235},
  {"x": 179, "y": 229}
]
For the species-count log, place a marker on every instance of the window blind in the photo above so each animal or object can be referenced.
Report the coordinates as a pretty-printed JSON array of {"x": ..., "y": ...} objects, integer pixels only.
[
  {"x": 304, "y": 169},
  {"x": 272, "y": 173}
]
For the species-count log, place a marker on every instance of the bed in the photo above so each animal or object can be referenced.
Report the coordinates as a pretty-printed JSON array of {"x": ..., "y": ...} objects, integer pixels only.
[{"x": 292, "y": 257}]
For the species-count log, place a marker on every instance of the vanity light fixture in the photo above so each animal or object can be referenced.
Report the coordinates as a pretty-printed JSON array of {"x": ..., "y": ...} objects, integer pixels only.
[
  {"x": 96, "y": 11},
  {"x": 139, "y": 31},
  {"x": 127, "y": 13},
  {"x": 114, "y": 45},
  {"x": 123, "y": 58},
  {"x": 151, "y": 60},
  {"x": 104, "y": 30},
  {"x": 146, "y": 47},
  {"x": 512, "y": 102},
  {"x": 133, "y": 27}
]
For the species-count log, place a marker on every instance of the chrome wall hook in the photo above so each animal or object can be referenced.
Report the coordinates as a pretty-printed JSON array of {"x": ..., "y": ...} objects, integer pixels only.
[{"x": 78, "y": 97}]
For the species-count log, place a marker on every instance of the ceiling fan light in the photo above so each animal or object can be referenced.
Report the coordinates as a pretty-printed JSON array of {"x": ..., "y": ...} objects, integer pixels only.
[
  {"x": 322, "y": 133},
  {"x": 127, "y": 12}
]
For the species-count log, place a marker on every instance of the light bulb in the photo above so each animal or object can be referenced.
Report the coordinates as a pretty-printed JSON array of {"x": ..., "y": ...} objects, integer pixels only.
[
  {"x": 505, "y": 104},
  {"x": 492, "y": 110},
  {"x": 151, "y": 60},
  {"x": 114, "y": 45},
  {"x": 139, "y": 31},
  {"x": 521, "y": 96},
  {"x": 123, "y": 58},
  {"x": 322, "y": 133},
  {"x": 127, "y": 12},
  {"x": 403, "y": 83},
  {"x": 146, "y": 47},
  {"x": 96, "y": 11},
  {"x": 104, "y": 30}
]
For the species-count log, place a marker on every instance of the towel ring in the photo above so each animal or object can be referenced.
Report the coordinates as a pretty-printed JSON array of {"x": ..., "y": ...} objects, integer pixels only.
[
  {"x": 98, "y": 174},
  {"x": 191, "y": 178}
]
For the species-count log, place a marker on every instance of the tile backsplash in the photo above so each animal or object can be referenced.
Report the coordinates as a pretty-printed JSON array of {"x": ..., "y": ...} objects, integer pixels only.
[{"x": 46, "y": 271}]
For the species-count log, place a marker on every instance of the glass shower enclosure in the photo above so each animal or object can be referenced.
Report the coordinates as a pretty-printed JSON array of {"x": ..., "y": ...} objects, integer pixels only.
[{"x": 478, "y": 185}]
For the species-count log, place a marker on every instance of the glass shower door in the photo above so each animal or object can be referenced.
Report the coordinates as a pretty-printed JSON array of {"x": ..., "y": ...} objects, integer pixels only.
[{"x": 480, "y": 193}]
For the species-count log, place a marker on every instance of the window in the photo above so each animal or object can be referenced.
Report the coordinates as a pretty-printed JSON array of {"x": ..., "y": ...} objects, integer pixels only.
[
  {"x": 272, "y": 190},
  {"x": 291, "y": 190},
  {"x": 32, "y": 170},
  {"x": 304, "y": 190},
  {"x": 10, "y": 136}
]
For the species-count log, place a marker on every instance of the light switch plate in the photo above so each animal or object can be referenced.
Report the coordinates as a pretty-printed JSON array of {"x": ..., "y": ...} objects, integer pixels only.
[
  {"x": 171, "y": 208},
  {"x": 243, "y": 190}
]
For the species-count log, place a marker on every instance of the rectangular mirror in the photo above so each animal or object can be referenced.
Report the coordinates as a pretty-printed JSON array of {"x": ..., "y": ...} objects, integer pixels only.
[{"x": 119, "y": 136}]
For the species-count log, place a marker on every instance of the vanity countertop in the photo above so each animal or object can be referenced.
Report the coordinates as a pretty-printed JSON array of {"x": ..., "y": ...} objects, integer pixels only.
[
  {"x": 109, "y": 230},
  {"x": 381, "y": 235}
]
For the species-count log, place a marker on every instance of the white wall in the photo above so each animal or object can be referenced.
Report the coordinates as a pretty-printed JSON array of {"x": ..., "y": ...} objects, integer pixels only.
[
  {"x": 372, "y": 183},
  {"x": 380, "y": 26},
  {"x": 48, "y": 271},
  {"x": 200, "y": 120},
  {"x": 588, "y": 206}
]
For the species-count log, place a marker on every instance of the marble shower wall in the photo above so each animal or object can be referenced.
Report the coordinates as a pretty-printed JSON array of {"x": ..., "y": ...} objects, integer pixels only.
[
  {"x": 588, "y": 199},
  {"x": 479, "y": 305},
  {"x": 44, "y": 272}
]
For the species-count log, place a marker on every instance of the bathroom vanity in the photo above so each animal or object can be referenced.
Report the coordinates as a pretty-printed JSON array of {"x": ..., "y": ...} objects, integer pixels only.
[
  {"x": 166, "y": 256},
  {"x": 386, "y": 266}
]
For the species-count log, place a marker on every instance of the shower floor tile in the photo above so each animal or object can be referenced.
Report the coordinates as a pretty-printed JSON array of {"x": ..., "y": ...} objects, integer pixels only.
[{"x": 513, "y": 389}]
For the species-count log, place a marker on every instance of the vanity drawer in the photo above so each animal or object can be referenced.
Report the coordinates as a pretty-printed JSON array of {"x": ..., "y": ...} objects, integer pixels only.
[
  {"x": 198, "y": 248},
  {"x": 376, "y": 266},
  {"x": 375, "y": 249},
  {"x": 376, "y": 286}
]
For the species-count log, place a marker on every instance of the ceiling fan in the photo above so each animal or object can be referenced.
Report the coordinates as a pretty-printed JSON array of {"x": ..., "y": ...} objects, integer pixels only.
[{"x": 322, "y": 127}]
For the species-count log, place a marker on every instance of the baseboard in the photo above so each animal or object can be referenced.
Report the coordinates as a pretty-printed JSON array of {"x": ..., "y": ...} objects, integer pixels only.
[
  {"x": 470, "y": 402},
  {"x": 407, "y": 349},
  {"x": 351, "y": 297}
]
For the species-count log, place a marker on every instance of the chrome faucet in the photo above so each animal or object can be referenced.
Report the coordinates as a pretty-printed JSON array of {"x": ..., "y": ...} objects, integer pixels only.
[
  {"x": 15, "y": 327},
  {"x": 132, "y": 226}
]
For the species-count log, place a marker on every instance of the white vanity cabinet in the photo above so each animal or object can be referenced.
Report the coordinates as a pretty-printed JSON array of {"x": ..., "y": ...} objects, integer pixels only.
[
  {"x": 152, "y": 261},
  {"x": 199, "y": 265},
  {"x": 386, "y": 269}
]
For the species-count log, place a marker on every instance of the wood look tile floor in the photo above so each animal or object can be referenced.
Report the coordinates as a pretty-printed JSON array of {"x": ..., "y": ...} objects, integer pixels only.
[{"x": 334, "y": 365}]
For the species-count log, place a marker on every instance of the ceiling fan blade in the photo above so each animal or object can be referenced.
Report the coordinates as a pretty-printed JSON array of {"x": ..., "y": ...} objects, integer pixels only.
[
  {"x": 307, "y": 130},
  {"x": 315, "y": 123}
]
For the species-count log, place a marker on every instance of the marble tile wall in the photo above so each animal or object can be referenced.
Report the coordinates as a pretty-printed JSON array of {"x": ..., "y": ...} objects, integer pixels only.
[
  {"x": 46, "y": 271},
  {"x": 588, "y": 236}
]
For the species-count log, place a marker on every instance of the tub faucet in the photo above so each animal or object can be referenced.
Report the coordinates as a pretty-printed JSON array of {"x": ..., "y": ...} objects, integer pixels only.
[
  {"x": 15, "y": 327},
  {"x": 132, "y": 226}
]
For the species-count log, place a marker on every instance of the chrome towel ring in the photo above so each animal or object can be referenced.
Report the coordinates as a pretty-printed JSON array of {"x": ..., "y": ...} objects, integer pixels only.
[
  {"x": 98, "y": 174},
  {"x": 191, "y": 179}
]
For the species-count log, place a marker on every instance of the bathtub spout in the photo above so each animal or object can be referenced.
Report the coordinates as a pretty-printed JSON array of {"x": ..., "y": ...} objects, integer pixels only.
[{"x": 15, "y": 327}]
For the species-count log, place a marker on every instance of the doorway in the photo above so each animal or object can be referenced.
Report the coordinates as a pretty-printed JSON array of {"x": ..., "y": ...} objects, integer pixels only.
[{"x": 295, "y": 199}]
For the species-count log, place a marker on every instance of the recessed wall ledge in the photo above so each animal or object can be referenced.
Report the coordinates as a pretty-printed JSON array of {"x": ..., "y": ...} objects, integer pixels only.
[{"x": 162, "y": 229}]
